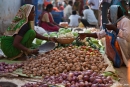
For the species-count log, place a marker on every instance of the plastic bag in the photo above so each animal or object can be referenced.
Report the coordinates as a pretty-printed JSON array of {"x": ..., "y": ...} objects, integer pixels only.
[
  {"x": 81, "y": 25},
  {"x": 110, "y": 51},
  {"x": 39, "y": 30}
]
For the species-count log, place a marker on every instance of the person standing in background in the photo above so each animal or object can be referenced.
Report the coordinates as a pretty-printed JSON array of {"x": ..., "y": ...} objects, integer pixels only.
[
  {"x": 76, "y": 6},
  {"x": 81, "y": 8},
  {"x": 68, "y": 10},
  {"x": 105, "y": 6},
  {"x": 95, "y": 7}
]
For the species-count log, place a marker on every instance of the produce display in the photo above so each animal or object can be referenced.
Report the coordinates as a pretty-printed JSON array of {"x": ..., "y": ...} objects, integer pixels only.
[
  {"x": 80, "y": 79},
  {"x": 94, "y": 43},
  {"x": 75, "y": 79},
  {"x": 64, "y": 60},
  {"x": 8, "y": 68},
  {"x": 62, "y": 33}
]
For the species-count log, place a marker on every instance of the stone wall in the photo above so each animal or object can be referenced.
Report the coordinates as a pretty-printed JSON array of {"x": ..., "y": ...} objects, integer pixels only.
[{"x": 8, "y": 9}]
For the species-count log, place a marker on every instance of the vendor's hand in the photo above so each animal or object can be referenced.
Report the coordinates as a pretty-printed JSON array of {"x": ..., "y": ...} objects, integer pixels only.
[
  {"x": 32, "y": 51},
  {"x": 111, "y": 27},
  {"x": 82, "y": 36}
]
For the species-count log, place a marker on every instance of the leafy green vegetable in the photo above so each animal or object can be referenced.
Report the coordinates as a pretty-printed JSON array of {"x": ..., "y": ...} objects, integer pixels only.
[
  {"x": 75, "y": 34},
  {"x": 46, "y": 35},
  {"x": 87, "y": 31},
  {"x": 53, "y": 34},
  {"x": 38, "y": 41}
]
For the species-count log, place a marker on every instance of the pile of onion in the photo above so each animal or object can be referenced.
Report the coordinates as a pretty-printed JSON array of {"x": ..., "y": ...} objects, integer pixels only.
[
  {"x": 76, "y": 79},
  {"x": 65, "y": 60},
  {"x": 8, "y": 68}
]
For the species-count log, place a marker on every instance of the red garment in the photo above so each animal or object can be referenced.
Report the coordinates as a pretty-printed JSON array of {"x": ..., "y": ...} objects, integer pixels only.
[
  {"x": 46, "y": 2},
  {"x": 81, "y": 7},
  {"x": 56, "y": 9},
  {"x": 46, "y": 26}
]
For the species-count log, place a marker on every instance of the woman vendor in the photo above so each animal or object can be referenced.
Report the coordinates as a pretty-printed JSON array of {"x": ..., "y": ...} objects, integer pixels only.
[
  {"x": 122, "y": 30},
  {"x": 19, "y": 36},
  {"x": 46, "y": 20}
]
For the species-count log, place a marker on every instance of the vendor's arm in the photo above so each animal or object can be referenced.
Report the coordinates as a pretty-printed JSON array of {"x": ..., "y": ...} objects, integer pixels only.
[
  {"x": 41, "y": 37},
  {"x": 124, "y": 29},
  {"x": 45, "y": 38},
  {"x": 98, "y": 35},
  {"x": 17, "y": 43}
]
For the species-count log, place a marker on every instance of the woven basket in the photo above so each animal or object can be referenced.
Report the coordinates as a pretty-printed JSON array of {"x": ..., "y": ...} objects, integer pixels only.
[{"x": 65, "y": 40}]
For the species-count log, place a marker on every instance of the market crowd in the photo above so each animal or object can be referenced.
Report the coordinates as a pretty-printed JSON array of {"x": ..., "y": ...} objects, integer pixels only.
[{"x": 110, "y": 16}]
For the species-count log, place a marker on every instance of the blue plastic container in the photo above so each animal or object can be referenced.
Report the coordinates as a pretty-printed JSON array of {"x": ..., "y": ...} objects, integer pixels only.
[{"x": 57, "y": 16}]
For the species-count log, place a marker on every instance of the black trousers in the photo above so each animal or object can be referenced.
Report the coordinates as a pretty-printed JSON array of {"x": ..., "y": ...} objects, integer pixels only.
[{"x": 86, "y": 24}]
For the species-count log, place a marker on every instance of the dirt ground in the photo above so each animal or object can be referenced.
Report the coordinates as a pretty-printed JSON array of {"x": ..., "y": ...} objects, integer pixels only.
[{"x": 122, "y": 72}]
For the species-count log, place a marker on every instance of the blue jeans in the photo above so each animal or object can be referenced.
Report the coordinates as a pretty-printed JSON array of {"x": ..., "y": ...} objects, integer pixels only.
[{"x": 105, "y": 7}]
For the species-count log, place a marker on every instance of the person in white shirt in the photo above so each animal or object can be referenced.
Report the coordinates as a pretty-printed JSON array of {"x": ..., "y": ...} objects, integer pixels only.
[
  {"x": 89, "y": 17},
  {"x": 74, "y": 19},
  {"x": 95, "y": 4},
  {"x": 68, "y": 10}
]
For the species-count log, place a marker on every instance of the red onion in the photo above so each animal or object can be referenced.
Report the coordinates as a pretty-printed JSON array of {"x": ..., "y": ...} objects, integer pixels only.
[
  {"x": 73, "y": 82},
  {"x": 98, "y": 80},
  {"x": 94, "y": 85},
  {"x": 101, "y": 85},
  {"x": 80, "y": 77},
  {"x": 76, "y": 73},
  {"x": 91, "y": 71},
  {"x": 86, "y": 78},
  {"x": 69, "y": 79},
  {"x": 110, "y": 82},
  {"x": 77, "y": 84},
  {"x": 108, "y": 78},
  {"x": 64, "y": 76},
  {"x": 68, "y": 85},
  {"x": 88, "y": 73},
  {"x": 71, "y": 74},
  {"x": 86, "y": 84},
  {"x": 94, "y": 74},
  {"x": 74, "y": 79},
  {"x": 91, "y": 79},
  {"x": 81, "y": 84}
]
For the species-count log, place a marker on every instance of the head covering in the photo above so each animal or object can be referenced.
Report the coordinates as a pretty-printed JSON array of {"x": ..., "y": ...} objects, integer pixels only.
[
  {"x": 56, "y": 9},
  {"x": 20, "y": 19},
  {"x": 113, "y": 13}
]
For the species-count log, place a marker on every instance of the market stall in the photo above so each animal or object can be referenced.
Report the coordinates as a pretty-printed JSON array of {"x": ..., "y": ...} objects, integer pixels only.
[{"x": 72, "y": 63}]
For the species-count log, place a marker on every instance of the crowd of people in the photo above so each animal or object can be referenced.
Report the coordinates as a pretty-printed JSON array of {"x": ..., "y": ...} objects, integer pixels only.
[
  {"x": 92, "y": 13},
  {"x": 19, "y": 36}
]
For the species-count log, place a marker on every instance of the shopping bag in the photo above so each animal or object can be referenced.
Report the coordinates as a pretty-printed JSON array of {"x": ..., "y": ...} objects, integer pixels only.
[{"x": 111, "y": 52}]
